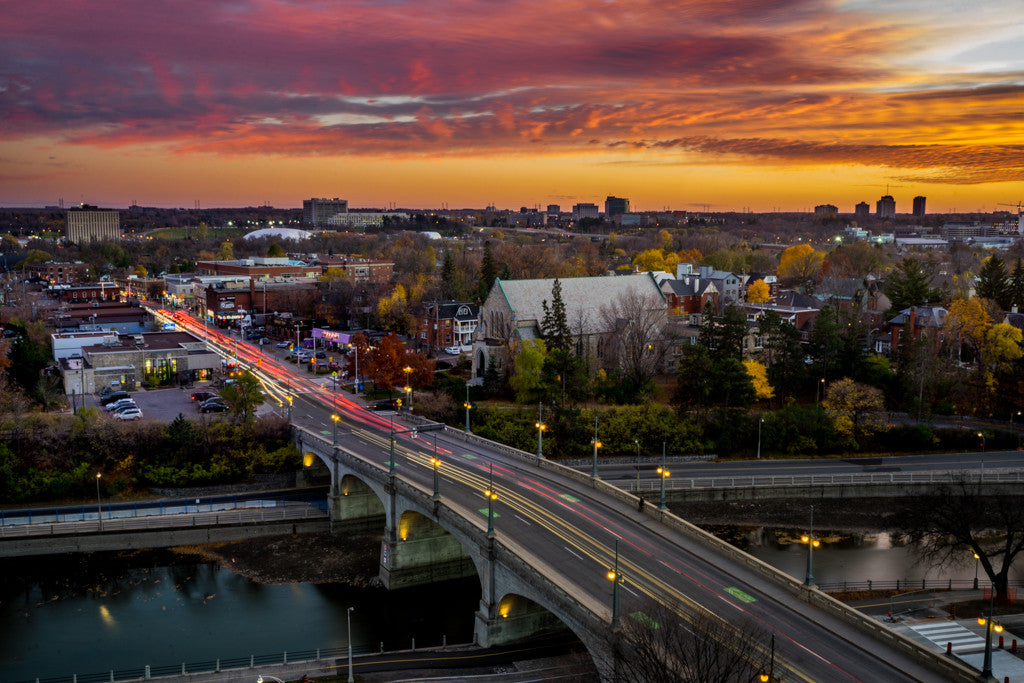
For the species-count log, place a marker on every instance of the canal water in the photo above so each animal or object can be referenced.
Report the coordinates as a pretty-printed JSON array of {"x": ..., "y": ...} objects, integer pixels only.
[
  {"x": 59, "y": 617},
  {"x": 160, "y": 610}
]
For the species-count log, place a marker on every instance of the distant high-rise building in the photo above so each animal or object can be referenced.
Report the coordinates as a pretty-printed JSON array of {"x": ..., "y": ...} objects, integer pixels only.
[
  {"x": 826, "y": 210},
  {"x": 584, "y": 210},
  {"x": 919, "y": 206},
  {"x": 317, "y": 212},
  {"x": 615, "y": 206},
  {"x": 554, "y": 211},
  {"x": 885, "y": 207},
  {"x": 91, "y": 224},
  {"x": 862, "y": 210}
]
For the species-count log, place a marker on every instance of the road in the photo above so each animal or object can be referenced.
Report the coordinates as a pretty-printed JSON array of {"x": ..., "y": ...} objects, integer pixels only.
[{"x": 575, "y": 531}]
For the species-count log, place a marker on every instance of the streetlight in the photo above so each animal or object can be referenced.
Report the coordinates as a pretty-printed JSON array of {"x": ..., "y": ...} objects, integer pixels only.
[
  {"x": 335, "y": 418},
  {"x": 982, "y": 437},
  {"x": 540, "y": 431},
  {"x": 637, "y": 442},
  {"x": 99, "y": 505},
  {"x": 356, "y": 348},
  {"x": 977, "y": 560},
  {"x": 289, "y": 408},
  {"x": 616, "y": 578},
  {"x": 986, "y": 667},
  {"x": 597, "y": 444},
  {"x": 760, "y": 421},
  {"x": 467, "y": 405},
  {"x": 818, "y": 389},
  {"x": 436, "y": 462},
  {"x": 767, "y": 677},
  {"x": 812, "y": 543},
  {"x": 348, "y": 620},
  {"x": 408, "y": 396},
  {"x": 665, "y": 474},
  {"x": 491, "y": 495},
  {"x": 391, "y": 462}
]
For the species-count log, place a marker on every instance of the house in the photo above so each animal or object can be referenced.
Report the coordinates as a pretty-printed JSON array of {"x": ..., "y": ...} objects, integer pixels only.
[
  {"x": 445, "y": 324},
  {"x": 920, "y": 322},
  {"x": 514, "y": 310}
]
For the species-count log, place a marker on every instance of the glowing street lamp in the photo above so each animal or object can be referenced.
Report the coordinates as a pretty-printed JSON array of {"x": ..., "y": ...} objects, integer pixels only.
[
  {"x": 767, "y": 677},
  {"x": 665, "y": 474},
  {"x": 289, "y": 399},
  {"x": 356, "y": 348},
  {"x": 540, "y": 431},
  {"x": 597, "y": 444},
  {"x": 616, "y": 578},
  {"x": 986, "y": 667},
  {"x": 977, "y": 561},
  {"x": 812, "y": 543},
  {"x": 491, "y": 495},
  {"x": 408, "y": 393},
  {"x": 99, "y": 504},
  {"x": 467, "y": 405},
  {"x": 335, "y": 419},
  {"x": 981, "y": 441},
  {"x": 436, "y": 462}
]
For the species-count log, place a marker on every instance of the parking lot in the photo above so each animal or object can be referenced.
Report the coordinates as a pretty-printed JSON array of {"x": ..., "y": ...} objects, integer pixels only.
[{"x": 166, "y": 404}]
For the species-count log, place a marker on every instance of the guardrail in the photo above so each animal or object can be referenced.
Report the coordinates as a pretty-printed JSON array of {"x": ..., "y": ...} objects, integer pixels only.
[
  {"x": 170, "y": 521},
  {"x": 909, "y": 584},
  {"x": 324, "y": 657},
  {"x": 826, "y": 479}
]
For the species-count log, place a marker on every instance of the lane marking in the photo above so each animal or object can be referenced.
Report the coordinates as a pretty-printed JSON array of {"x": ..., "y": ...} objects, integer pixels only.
[
  {"x": 740, "y": 595},
  {"x": 574, "y": 554},
  {"x": 524, "y": 521}
]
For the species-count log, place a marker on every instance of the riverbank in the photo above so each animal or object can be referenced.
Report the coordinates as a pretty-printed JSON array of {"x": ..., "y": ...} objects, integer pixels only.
[{"x": 302, "y": 558}]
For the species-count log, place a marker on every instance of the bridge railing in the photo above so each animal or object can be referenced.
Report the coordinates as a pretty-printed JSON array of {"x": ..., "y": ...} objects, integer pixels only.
[
  {"x": 288, "y": 511},
  {"x": 908, "y": 585},
  {"x": 827, "y": 479}
]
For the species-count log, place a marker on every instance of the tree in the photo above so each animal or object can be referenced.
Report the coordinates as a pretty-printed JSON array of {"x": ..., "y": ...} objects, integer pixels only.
[
  {"x": 140, "y": 271},
  {"x": 994, "y": 282},
  {"x": 451, "y": 280},
  {"x": 393, "y": 311},
  {"x": 783, "y": 353},
  {"x": 1002, "y": 347},
  {"x": 707, "y": 379},
  {"x": 526, "y": 380},
  {"x": 1017, "y": 287},
  {"x": 488, "y": 272},
  {"x": 27, "y": 360},
  {"x": 967, "y": 323},
  {"x": 800, "y": 264},
  {"x": 555, "y": 325},
  {"x": 275, "y": 250},
  {"x": 244, "y": 396},
  {"x": 672, "y": 644},
  {"x": 909, "y": 284},
  {"x": 635, "y": 344},
  {"x": 758, "y": 292},
  {"x": 384, "y": 362},
  {"x": 759, "y": 379},
  {"x": 856, "y": 408},
  {"x": 956, "y": 520},
  {"x": 724, "y": 336},
  {"x": 226, "y": 252},
  {"x": 824, "y": 343}
]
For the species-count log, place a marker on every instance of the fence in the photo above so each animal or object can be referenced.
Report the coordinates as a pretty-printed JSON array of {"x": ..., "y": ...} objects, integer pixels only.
[
  {"x": 909, "y": 584},
  {"x": 827, "y": 479},
  {"x": 301, "y": 657}
]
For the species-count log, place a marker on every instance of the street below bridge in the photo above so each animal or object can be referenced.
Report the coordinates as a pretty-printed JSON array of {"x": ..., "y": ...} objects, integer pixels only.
[{"x": 568, "y": 532}]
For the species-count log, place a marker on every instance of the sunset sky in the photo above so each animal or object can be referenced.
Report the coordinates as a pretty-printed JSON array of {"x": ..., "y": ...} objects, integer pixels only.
[{"x": 729, "y": 105}]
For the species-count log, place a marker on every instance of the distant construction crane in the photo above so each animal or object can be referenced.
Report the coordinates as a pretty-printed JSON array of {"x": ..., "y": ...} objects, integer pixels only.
[{"x": 1020, "y": 215}]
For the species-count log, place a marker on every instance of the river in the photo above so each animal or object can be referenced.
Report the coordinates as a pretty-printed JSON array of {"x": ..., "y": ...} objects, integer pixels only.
[{"x": 57, "y": 618}]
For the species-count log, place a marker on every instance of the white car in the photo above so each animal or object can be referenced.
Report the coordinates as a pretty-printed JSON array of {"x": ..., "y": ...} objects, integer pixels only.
[
  {"x": 111, "y": 407},
  {"x": 129, "y": 414},
  {"x": 453, "y": 350}
]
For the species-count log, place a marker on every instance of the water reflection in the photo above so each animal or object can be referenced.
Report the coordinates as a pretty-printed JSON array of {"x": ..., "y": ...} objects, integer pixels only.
[{"x": 90, "y": 615}]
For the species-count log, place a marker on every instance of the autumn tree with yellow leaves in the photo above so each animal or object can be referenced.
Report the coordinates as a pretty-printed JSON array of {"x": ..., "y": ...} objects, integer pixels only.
[
  {"x": 759, "y": 292},
  {"x": 800, "y": 265},
  {"x": 759, "y": 378},
  {"x": 856, "y": 409}
]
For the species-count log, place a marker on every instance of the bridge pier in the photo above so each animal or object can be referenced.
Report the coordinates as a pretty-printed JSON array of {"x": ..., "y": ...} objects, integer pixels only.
[
  {"x": 354, "y": 506},
  {"x": 416, "y": 551}
]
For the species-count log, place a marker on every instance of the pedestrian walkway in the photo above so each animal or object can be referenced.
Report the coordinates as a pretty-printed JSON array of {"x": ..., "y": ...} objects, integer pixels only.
[{"x": 945, "y": 632}]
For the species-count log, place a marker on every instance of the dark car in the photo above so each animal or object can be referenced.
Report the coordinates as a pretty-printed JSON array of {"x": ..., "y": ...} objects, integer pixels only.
[
  {"x": 213, "y": 407},
  {"x": 387, "y": 404},
  {"x": 202, "y": 395},
  {"x": 113, "y": 396}
]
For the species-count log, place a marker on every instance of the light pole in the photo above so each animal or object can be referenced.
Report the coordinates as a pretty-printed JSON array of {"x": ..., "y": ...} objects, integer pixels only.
[
  {"x": 977, "y": 560},
  {"x": 637, "y": 442},
  {"x": 335, "y": 419},
  {"x": 356, "y": 348},
  {"x": 467, "y": 405},
  {"x": 760, "y": 421},
  {"x": 408, "y": 397},
  {"x": 818, "y": 389},
  {"x": 289, "y": 408},
  {"x": 616, "y": 579},
  {"x": 391, "y": 461},
  {"x": 663, "y": 471},
  {"x": 490, "y": 494},
  {"x": 986, "y": 667},
  {"x": 982, "y": 437},
  {"x": 99, "y": 505},
  {"x": 597, "y": 444},
  {"x": 540, "y": 431},
  {"x": 348, "y": 619},
  {"x": 767, "y": 677},
  {"x": 812, "y": 543}
]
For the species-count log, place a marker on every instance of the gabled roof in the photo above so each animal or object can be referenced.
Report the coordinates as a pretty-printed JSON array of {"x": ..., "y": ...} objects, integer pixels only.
[
  {"x": 927, "y": 316},
  {"x": 583, "y": 297}
]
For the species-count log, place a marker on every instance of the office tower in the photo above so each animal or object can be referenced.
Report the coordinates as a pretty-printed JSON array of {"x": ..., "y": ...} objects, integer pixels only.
[
  {"x": 91, "y": 224},
  {"x": 919, "y": 206},
  {"x": 615, "y": 206},
  {"x": 885, "y": 207},
  {"x": 317, "y": 212},
  {"x": 862, "y": 210},
  {"x": 826, "y": 210},
  {"x": 584, "y": 210}
]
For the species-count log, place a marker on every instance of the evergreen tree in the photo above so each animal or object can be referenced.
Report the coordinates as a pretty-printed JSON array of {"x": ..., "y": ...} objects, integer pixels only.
[
  {"x": 493, "y": 384},
  {"x": 994, "y": 282},
  {"x": 1017, "y": 287},
  {"x": 909, "y": 284},
  {"x": 449, "y": 278},
  {"x": 825, "y": 344},
  {"x": 488, "y": 272},
  {"x": 723, "y": 336},
  {"x": 555, "y": 324}
]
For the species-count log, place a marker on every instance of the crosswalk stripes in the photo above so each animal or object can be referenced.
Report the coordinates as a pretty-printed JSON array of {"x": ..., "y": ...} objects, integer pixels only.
[{"x": 951, "y": 632}]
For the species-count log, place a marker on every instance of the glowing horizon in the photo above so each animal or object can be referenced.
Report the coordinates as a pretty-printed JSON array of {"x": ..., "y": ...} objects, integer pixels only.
[{"x": 755, "y": 104}]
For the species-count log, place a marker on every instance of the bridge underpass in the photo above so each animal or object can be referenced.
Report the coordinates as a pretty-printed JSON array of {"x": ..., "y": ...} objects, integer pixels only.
[{"x": 553, "y": 544}]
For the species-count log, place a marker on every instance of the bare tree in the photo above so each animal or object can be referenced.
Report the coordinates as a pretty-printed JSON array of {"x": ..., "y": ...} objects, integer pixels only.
[
  {"x": 957, "y": 520},
  {"x": 656, "y": 644},
  {"x": 635, "y": 342}
]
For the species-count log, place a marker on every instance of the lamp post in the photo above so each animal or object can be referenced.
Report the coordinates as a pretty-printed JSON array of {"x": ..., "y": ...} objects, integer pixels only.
[
  {"x": 819, "y": 387},
  {"x": 977, "y": 560},
  {"x": 289, "y": 408},
  {"x": 812, "y": 543},
  {"x": 760, "y": 421},
  {"x": 982, "y": 441},
  {"x": 356, "y": 348},
  {"x": 467, "y": 405},
  {"x": 99, "y": 505},
  {"x": 597, "y": 444},
  {"x": 986, "y": 667},
  {"x": 348, "y": 620},
  {"x": 391, "y": 461},
  {"x": 1011, "y": 427},
  {"x": 663, "y": 471},
  {"x": 637, "y": 442},
  {"x": 540, "y": 431},
  {"x": 490, "y": 494},
  {"x": 408, "y": 397},
  {"x": 616, "y": 579},
  {"x": 436, "y": 462},
  {"x": 335, "y": 419}
]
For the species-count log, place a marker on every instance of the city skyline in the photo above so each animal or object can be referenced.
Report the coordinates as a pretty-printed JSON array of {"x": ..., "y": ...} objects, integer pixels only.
[{"x": 755, "y": 105}]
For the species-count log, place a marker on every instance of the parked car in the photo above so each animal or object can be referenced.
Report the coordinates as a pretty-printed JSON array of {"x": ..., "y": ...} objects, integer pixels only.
[
  {"x": 130, "y": 414},
  {"x": 453, "y": 350},
  {"x": 123, "y": 407},
  {"x": 212, "y": 399},
  {"x": 283, "y": 345},
  {"x": 119, "y": 404},
  {"x": 202, "y": 395},
  {"x": 113, "y": 396},
  {"x": 214, "y": 407}
]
